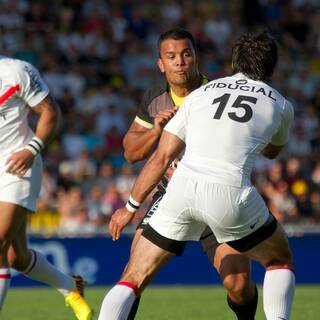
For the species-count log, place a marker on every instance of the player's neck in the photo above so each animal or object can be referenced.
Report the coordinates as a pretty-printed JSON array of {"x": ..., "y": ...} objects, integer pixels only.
[{"x": 183, "y": 91}]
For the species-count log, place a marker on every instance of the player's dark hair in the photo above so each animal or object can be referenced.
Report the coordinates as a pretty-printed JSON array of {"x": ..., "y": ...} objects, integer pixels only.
[
  {"x": 176, "y": 34},
  {"x": 255, "y": 55}
]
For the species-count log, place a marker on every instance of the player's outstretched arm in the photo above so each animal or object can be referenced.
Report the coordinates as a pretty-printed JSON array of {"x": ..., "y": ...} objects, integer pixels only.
[
  {"x": 170, "y": 146},
  {"x": 139, "y": 141}
]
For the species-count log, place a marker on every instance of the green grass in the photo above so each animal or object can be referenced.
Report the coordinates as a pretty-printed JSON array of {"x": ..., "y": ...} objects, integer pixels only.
[{"x": 158, "y": 303}]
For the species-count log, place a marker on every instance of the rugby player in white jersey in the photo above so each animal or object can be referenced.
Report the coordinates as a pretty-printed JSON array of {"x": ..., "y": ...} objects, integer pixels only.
[
  {"x": 22, "y": 90},
  {"x": 178, "y": 62},
  {"x": 223, "y": 127}
]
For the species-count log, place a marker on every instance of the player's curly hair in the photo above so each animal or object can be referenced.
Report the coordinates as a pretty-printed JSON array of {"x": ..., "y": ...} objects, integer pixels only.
[
  {"x": 176, "y": 34},
  {"x": 255, "y": 55}
]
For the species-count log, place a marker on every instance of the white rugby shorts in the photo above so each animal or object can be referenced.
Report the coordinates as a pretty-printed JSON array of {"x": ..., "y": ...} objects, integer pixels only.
[
  {"x": 22, "y": 191},
  {"x": 190, "y": 205}
]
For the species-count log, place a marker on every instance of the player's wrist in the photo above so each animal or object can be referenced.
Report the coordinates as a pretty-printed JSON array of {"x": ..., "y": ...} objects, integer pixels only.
[
  {"x": 132, "y": 205},
  {"x": 35, "y": 145},
  {"x": 157, "y": 131}
]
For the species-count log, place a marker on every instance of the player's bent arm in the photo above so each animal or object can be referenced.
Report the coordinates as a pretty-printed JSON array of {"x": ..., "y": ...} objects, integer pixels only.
[
  {"x": 49, "y": 119},
  {"x": 281, "y": 137},
  {"x": 170, "y": 146},
  {"x": 20, "y": 161},
  {"x": 139, "y": 142}
]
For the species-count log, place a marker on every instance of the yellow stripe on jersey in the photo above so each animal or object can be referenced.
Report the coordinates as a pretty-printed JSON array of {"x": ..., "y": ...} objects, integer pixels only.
[
  {"x": 178, "y": 101},
  {"x": 143, "y": 123}
]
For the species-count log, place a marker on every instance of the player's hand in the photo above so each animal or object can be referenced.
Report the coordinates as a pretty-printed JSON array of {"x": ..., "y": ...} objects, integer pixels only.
[
  {"x": 19, "y": 162},
  {"x": 163, "y": 117},
  {"x": 121, "y": 218}
]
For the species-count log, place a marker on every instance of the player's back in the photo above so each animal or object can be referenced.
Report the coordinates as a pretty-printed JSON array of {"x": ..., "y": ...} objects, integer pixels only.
[{"x": 229, "y": 121}]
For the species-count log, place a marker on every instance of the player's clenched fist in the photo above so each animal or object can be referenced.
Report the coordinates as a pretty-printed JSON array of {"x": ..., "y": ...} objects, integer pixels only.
[{"x": 163, "y": 117}]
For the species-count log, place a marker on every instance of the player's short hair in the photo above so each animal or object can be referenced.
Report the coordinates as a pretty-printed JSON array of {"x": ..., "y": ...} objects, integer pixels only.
[
  {"x": 176, "y": 34},
  {"x": 255, "y": 55}
]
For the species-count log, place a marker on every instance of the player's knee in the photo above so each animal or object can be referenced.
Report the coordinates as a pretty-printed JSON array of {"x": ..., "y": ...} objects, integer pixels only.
[
  {"x": 139, "y": 279},
  {"x": 284, "y": 259},
  {"x": 18, "y": 261},
  {"x": 4, "y": 246}
]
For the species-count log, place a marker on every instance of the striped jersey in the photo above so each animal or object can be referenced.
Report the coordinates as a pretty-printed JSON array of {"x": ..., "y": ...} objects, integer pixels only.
[
  {"x": 158, "y": 98},
  {"x": 21, "y": 87}
]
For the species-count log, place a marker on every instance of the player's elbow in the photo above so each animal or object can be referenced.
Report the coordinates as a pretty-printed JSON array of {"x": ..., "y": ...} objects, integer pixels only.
[
  {"x": 271, "y": 151},
  {"x": 130, "y": 157},
  {"x": 270, "y": 155}
]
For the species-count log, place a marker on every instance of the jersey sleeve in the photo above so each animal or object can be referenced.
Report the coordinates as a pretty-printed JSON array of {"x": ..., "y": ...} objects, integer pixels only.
[
  {"x": 282, "y": 135},
  {"x": 32, "y": 88},
  {"x": 143, "y": 117},
  {"x": 178, "y": 124}
]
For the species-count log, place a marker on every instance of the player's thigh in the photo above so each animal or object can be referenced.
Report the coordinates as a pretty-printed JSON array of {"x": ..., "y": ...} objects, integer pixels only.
[
  {"x": 273, "y": 251},
  {"x": 12, "y": 218},
  {"x": 152, "y": 208},
  {"x": 22, "y": 191},
  {"x": 146, "y": 259}
]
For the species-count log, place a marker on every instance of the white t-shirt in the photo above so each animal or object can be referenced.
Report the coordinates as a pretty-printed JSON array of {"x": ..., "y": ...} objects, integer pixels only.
[
  {"x": 21, "y": 87},
  {"x": 226, "y": 124}
]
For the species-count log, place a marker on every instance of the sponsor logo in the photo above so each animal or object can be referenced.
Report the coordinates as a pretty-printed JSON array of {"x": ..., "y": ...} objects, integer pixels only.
[{"x": 252, "y": 225}]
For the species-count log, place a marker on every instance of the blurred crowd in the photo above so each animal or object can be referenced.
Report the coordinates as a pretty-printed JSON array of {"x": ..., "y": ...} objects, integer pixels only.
[{"x": 98, "y": 57}]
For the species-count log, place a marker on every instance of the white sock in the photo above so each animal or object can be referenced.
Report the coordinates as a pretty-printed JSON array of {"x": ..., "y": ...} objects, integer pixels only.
[
  {"x": 278, "y": 292},
  {"x": 118, "y": 302},
  {"x": 5, "y": 278},
  {"x": 42, "y": 270}
]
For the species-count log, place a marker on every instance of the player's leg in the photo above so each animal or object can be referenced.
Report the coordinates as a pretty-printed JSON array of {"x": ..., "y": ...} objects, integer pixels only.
[
  {"x": 269, "y": 246},
  {"x": 146, "y": 259},
  {"x": 149, "y": 212},
  {"x": 135, "y": 305},
  {"x": 35, "y": 266},
  {"x": 235, "y": 272},
  {"x": 11, "y": 218}
]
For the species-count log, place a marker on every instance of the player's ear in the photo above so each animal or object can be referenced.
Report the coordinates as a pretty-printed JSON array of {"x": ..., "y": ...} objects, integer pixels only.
[{"x": 160, "y": 65}]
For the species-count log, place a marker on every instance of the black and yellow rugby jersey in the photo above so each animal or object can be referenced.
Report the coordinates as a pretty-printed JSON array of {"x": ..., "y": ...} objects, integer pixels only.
[{"x": 158, "y": 98}]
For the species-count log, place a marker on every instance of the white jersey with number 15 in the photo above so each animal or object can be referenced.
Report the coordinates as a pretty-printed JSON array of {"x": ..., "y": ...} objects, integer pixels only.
[{"x": 226, "y": 124}]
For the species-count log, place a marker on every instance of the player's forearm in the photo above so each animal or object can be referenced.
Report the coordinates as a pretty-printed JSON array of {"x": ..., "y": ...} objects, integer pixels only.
[
  {"x": 150, "y": 176},
  {"x": 49, "y": 120},
  {"x": 139, "y": 145}
]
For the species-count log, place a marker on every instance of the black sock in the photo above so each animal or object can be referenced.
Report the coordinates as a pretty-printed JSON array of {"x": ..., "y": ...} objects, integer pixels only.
[
  {"x": 245, "y": 311},
  {"x": 134, "y": 309}
]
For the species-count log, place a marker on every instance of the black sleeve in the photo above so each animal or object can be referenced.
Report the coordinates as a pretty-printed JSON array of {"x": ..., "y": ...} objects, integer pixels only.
[{"x": 143, "y": 111}]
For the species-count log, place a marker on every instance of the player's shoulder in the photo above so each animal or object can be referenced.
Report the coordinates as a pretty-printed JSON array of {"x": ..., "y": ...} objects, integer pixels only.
[
  {"x": 15, "y": 67},
  {"x": 155, "y": 91},
  {"x": 8, "y": 62}
]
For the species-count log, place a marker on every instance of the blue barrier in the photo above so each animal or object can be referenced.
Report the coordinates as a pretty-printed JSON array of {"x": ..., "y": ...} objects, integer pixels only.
[{"x": 101, "y": 261}]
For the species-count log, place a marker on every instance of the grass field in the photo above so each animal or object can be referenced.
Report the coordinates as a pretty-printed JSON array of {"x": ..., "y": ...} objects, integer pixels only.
[{"x": 158, "y": 303}]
